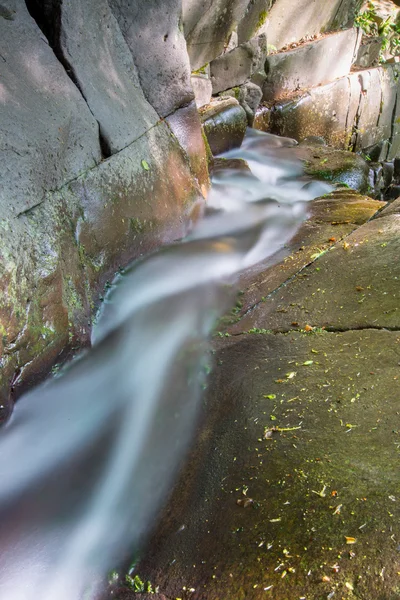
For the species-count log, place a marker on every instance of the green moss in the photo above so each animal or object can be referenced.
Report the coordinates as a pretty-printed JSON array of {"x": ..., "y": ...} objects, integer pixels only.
[{"x": 262, "y": 17}]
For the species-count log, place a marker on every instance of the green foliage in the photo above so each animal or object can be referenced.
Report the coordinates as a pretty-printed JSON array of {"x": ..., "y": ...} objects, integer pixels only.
[
  {"x": 138, "y": 586},
  {"x": 372, "y": 24}
]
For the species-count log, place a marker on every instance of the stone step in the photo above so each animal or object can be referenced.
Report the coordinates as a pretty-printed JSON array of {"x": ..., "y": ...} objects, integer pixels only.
[
  {"x": 313, "y": 63},
  {"x": 347, "y": 113},
  {"x": 224, "y": 123}
]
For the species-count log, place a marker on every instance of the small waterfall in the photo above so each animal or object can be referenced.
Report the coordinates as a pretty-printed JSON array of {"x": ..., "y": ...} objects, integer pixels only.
[{"x": 88, "y": 457}]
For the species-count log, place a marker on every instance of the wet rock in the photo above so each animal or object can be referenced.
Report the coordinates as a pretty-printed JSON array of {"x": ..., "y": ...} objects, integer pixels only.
[
  {"x": 238, "y": 65},
  {"x": 185, "y": 124},
  {"x": 202, "y": 88},
  {"x": 262, "y": 118},
  {"x": 368, "y": 53},
  {"x": 224, "y": 122},
  {"x": 327, "y": 111},
  {"x": 336, "y": 166},
  {"x": 91, "y": 43},
  {"x": 357, "y": 282},
  {"x": 208, "y": 25},
  {"x": 327, "y": 59},
  {"x": 48, "y": 133},
  {"x": 164, "y": 71},
  {"x": 56, "y": 258},
  {"x": 249, "y": 96},
  {"x": 230, "y": 164},
  {"x": 313, "y": 483}
]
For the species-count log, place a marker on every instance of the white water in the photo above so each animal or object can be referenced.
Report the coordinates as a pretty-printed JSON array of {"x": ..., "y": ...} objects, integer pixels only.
[{"x": 88, "y": 457}]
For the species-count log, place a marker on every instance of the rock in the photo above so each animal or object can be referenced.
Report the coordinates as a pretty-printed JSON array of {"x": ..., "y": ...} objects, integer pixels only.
[
  {"x": 56, "y": 258},
  {"x": 289, "y": 21},
  {"x": 92, "y": 45},
  {"x": 249, "y": 96},
  {"x": 327, "y": 111},
  {"x": 326, "y": 59},
  {"x": 185, "y": 124},
  {"x": 48, "y": 133},
  {"x": 346, "y": 113},
  {"x": 229, "y": 164},
  {"x": 376, "y": 115},
  {"x": 336, "y": 166},
  {"x": 224, "y": 123},
  {"x": 208, "y": 25},
  {"x": 316, "y": 396},
  {"x": 238, "y": 65},
  {"x": 153, "y": 33},
  {"x": 368, "y": 53},
  {"x": 392, "y": 209},
  {"x": 262, "y": 118},
  {"x": 202, "y": 88}
]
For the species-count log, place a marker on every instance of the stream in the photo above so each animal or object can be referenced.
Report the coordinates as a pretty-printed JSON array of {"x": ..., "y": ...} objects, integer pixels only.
[{"x": 88, "y": 457}]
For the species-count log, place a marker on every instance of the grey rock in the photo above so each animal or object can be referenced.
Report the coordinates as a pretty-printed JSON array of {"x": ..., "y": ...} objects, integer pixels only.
[
  {"x": 249, "y": 96},
  {"x": 202, "y": 88},
  {"x": 311, "y": 64},
  {"x": 48, "y": 134},
  {"x": 208, "y": 25},
  {"x": 224, "y": 122},
  {"x": 153, "y": 33},
  {"x": 93, "y": 46},
  {"x": 290, "y": 21},
  {"x": 238, "y": 65},
  {"x": 368, "y": 53},
  {"x": 255, "y": 18}
]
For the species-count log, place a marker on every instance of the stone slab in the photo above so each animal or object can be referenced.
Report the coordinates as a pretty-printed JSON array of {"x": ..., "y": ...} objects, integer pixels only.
[
  {"x": 276, "y": 516},
  {"x": 208, "y": 25},
  {"x": 238, "y": 65},
  {"x": 355, "y": 285},
  {"x": 289, "y": 21},
  {"x": 326, "y": 59},
  {"x": 368, "y": 53},
  {"x": 93, "y": 46},
  {"x": 154, "y": 35},
  {"x": 48, "y": 134}
]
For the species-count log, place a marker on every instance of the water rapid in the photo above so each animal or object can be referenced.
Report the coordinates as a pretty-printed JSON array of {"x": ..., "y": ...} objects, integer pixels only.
[{"x": 88, "y": 457}]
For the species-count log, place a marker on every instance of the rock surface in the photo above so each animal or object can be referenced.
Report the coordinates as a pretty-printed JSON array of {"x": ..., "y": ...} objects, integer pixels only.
[
  {"x": 238, "y": 65},
  {"x": 208, "y": 25},
  {"x": 153, "y": 33},
  {"x": 92, "y": 45},
  {"x": 224, "y": 123},
  {"x": 280, "y": 496},
  {"x": 48, "y": 134},
  {"x": 202, "y": 88},
  {"x": 311, "y": 64}
]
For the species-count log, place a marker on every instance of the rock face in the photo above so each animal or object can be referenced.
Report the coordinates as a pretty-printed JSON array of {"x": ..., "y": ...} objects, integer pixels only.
[
  {"x": 103, "y": 67},
  {"x": 325, "y": 59},
  {"x": 70, "y": 217},
  {"x": 207, "y": 25},
  {"x": 238, "y": 65},
  {"x": 224, "y": 124},
  {"x": 153, "y": 33},
  {"x": 48, "y": 134},
  {"x": 286, "y": 22},
  {"x": 348, "y": 113}
]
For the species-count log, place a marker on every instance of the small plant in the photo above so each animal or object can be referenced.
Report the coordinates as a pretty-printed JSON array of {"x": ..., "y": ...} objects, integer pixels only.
[{"x": 138, "y": 586}]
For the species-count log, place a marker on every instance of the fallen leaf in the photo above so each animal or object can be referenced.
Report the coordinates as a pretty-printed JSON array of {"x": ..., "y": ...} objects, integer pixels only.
[
  {"x": 145, "y": 165},
  {"x": 350, "y": 540}
]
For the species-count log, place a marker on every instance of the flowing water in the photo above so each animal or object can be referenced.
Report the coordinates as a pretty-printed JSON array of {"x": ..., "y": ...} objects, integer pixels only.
[{"x": 87, "y": 458}]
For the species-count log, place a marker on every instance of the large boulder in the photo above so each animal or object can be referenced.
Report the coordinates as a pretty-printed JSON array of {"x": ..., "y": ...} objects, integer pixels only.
[{"x": 48, "y": 133}]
